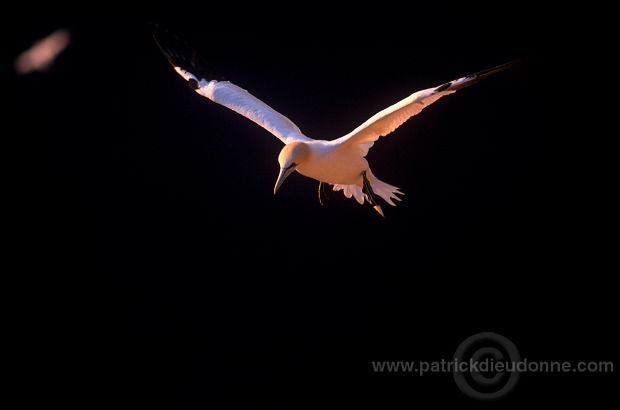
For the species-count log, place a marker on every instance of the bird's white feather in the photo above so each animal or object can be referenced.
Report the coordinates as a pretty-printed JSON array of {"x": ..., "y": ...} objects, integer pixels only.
[
  {"x": 387, "y": 120},
  {"x": 244, "y": 103},
  {"x": 384, "y": 122}
]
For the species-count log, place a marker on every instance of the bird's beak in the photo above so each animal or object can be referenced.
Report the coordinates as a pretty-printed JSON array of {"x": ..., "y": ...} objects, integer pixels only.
[{"x": 284, "y": 172}]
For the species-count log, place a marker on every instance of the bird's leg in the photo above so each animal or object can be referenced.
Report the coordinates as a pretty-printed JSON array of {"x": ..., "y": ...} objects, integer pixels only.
[
  {"x": 323, "y": 196},
  {"x": 370, "y": 195}
]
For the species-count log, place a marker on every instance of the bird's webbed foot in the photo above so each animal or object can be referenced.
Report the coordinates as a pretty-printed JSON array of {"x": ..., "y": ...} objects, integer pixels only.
[
  {"x": 324, "y": 188},
  {"x": 370, "y": 195}
]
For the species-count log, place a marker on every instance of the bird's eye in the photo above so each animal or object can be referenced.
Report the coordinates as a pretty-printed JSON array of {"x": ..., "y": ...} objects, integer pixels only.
[{"x": 291, "y": 166}]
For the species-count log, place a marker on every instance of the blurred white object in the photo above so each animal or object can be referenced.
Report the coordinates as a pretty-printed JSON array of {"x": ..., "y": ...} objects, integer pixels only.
[{"x": 42, "y": 54}]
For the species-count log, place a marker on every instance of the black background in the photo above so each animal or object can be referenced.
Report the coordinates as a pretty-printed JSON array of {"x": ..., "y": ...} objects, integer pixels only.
[{"x": 161, "y": 271}]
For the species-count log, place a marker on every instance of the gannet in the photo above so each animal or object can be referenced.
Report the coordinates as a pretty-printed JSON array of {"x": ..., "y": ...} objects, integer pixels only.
[{"x": 340, "y": 163}]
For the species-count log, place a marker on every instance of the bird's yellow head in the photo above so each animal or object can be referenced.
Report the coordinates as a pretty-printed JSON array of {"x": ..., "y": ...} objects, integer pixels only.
[{"x": 290, "y": 157}]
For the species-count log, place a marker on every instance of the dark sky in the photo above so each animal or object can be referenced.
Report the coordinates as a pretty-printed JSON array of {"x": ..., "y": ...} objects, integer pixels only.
[{"x": 173, "y": 276}]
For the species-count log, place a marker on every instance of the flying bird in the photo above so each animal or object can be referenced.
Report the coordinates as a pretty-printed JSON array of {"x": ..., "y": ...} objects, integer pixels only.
[{"x": 340, "y": 163}]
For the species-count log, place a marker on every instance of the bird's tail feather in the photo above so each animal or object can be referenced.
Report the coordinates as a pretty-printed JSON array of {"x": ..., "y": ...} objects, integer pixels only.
[
  {"x": 380, "y": 188},
  {"x": 349, "y": 191}
]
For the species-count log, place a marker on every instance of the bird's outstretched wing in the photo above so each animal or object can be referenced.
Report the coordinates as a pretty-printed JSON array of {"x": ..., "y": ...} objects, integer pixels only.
[
  {"x": 203, "y": 80},
  {"x": 386, "y": 121}
]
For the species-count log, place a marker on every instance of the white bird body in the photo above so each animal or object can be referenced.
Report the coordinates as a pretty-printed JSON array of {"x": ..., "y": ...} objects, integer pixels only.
[
  {"x": 340, "y": 162},
  {"x": 331, "y": 163}
]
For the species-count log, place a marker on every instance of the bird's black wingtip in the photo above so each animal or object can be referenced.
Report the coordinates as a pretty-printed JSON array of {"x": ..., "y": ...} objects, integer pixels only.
[
  {"x": 496, "y": 69},
  {"x": 478, "y": 76},
  {"x": 164, "y": 39},
  {"x": 179, "y": 53}
]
